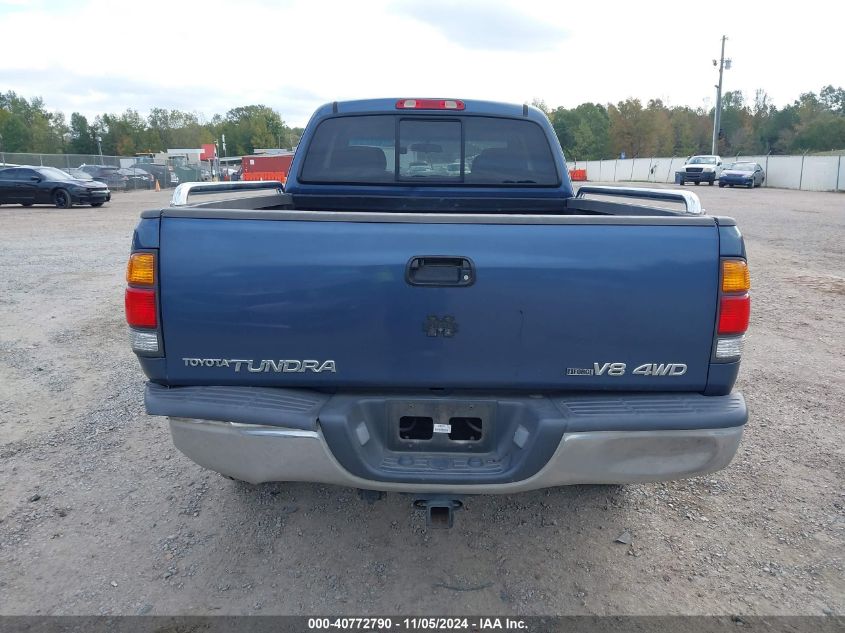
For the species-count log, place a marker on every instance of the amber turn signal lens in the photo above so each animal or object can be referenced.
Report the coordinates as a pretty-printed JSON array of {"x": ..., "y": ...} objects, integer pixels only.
[
  {"x": 735, "y": 276},
  {"x": 141, "y": 269}
]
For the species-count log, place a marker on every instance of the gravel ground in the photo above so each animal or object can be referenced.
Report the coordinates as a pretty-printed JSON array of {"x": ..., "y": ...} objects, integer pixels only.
[{"x": 99, "y": 514}]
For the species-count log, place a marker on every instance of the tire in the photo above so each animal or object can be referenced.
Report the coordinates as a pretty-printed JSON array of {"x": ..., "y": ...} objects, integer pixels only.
[
  {"x": 62, "y": 199},
  {"x": 683, "y": 182},
  {"x": 26, "y": 204},
  {"x": 721, "y": 185},
  {"x": 710, "y": 182},
  {"x": 751, "y": 185},
  {"x": 97, "y": 204},
  {"x": 697, "y": 182}
]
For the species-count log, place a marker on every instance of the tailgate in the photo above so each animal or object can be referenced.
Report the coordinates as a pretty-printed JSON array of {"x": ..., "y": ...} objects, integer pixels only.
[{"x": 576, "y": 306}]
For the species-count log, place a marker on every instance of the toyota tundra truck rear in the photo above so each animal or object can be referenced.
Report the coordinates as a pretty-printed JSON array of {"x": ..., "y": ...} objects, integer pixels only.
[{"x": 428, "y": 307}]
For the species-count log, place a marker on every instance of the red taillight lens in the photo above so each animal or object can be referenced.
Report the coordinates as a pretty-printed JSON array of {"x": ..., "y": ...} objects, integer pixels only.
[
  {"x": 430, "y": 104},
  {"x": 734, "y": 314},
  {"x": 141, "y": 308}
]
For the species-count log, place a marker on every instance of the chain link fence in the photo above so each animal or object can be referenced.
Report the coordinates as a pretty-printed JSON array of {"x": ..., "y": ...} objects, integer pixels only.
[{"x": 120, "y": 173}]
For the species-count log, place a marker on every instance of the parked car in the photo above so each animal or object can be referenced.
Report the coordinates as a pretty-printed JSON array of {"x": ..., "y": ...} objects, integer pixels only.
[
  {"x": 501, "y": 334},
  {"x": 704, "y": 168},
  {"x": 106, "y": 174},
  {"x": 48, "y": 185},
  {"x": 137, "y": 178},
  {"x": 743, "y": 173},
  {"x": 79, "y": 174},
  {"x": 165, "y": 174}
]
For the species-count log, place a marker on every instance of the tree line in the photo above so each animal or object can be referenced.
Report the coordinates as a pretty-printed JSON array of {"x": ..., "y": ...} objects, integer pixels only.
[
  {"x": 27, "y": 126},
  {"x": 590, "y": 131}
]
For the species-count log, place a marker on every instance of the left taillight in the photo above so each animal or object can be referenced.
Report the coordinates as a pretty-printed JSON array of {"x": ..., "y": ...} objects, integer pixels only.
[{"x": 140, "y": 301}]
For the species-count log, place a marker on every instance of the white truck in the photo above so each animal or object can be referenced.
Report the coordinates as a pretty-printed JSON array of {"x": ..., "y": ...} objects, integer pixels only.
[{"x": 704, "y": 168}]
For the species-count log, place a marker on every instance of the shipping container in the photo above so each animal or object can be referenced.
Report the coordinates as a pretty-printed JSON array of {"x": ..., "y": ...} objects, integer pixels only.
[{"x": 266, "y": 166}]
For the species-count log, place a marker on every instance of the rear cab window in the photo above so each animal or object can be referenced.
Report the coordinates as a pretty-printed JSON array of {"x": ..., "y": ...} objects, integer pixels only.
[{"x": 396, "y": 149}]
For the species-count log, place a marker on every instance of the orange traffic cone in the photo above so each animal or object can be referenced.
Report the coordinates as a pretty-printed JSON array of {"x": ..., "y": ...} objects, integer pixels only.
[{"x": 158, "y": 186}]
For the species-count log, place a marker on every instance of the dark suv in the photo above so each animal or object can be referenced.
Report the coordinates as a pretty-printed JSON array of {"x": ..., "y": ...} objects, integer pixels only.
[{"x": 107, "y": 174}]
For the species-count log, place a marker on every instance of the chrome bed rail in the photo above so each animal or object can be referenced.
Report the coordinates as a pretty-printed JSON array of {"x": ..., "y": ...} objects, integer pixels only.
[
  {"x": 689, "y": 199},
  {"x": 181, "y": 193}
]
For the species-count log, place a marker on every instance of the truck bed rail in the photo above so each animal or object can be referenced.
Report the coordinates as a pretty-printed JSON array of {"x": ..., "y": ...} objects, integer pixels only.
[
  {"x": 689, "y": 199},
  {"x": 181, "y": 193}
]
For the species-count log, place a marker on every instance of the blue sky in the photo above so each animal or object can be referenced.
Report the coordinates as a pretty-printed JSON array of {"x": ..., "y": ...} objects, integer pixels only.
[{"x": 211, "y": 55}]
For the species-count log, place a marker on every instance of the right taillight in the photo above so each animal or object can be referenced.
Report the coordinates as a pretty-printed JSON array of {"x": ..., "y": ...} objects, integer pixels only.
[
  {"x": 141, "y": 304},
  {"x": 141, "y": 308},
  {"x": 734, "y": 309}
]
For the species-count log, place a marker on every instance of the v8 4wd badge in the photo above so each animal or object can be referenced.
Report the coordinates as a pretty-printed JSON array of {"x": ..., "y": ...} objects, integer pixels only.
[{"x": 620, "y": 369}]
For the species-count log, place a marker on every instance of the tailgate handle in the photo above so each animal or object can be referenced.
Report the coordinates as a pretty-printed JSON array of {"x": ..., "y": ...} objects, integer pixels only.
[{"x": 438, "y": 270}]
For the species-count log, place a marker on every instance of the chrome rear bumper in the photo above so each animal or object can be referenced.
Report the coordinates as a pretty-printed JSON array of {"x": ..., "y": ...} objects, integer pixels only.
[{"x": 258, "y": 453}]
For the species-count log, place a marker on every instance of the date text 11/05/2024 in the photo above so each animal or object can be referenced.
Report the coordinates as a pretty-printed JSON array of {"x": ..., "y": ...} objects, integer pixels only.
[{"x": 418, "y": 624}]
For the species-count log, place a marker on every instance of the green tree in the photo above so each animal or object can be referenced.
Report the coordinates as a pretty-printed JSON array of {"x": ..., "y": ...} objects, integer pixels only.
[
  {"x": 691, "y": 131},
  {"x": 583, "y": 132},
  {"x": 825, "y": 132},
  {"x": 82, "y": 137},
  {"x": 833, "y": 99},
  {"x": 662, "y": 140},
  {"x": 631, "y": 129},
  {"x": 248, "y": 127},
  {"x": 15, "y": 132}
]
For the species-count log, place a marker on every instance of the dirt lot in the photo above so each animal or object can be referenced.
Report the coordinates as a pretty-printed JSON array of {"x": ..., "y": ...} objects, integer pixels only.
[{"x": 99, "y": 514}]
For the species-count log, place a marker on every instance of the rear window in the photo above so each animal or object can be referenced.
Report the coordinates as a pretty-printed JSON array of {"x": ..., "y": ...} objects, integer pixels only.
[{"x": 387, "y": 149}]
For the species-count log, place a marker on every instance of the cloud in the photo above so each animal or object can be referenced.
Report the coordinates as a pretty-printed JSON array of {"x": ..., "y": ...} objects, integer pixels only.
[
  {"x": 69, "y": 91},
  {"x": 480, "y": 25},
  {"x": 208, "y": 56}
]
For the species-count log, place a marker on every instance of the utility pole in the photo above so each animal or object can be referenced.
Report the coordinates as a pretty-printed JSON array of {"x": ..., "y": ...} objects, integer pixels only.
[{"x": 723, "y": 64}]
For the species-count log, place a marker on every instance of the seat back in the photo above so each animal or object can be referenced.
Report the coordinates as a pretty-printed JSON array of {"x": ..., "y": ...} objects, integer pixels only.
[
  {"x": 360, "y": 160},
  {"x": 497, "y": 164}
]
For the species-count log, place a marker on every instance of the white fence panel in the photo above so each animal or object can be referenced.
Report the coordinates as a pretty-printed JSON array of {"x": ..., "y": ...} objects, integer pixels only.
[
  {"x": 784, "y": 172},
  {"x": 819, "y": 173},
  {"x": 640, "y": 170},
  {"x": 661, "y": 170},
  {"x": 593, "y": 168},
  {"x": 810, "y": 173},
  {"x": 675, "y": 164},
  {"x": 840, "y": 178}
]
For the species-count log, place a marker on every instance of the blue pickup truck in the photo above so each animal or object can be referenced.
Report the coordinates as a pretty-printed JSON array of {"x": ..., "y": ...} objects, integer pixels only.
[{"x": 427, "y": 307}]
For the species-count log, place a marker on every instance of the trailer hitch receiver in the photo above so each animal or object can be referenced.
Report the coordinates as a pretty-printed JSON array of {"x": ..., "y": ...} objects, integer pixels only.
[{"x": 439, "y": 510}]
